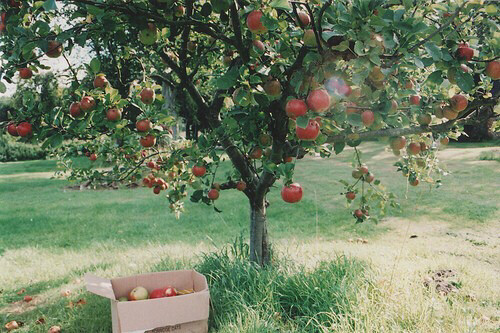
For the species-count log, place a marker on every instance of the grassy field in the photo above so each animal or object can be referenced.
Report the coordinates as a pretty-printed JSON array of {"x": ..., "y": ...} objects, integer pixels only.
[{"x": 52, "y": 236}]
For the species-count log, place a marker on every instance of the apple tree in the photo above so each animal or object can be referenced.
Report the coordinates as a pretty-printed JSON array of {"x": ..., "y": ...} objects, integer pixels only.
[{"x": 266, "y": 82}]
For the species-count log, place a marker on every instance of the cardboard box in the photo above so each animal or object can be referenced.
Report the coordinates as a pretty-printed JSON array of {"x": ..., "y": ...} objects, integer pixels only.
[{"x": 183, "y": 313}]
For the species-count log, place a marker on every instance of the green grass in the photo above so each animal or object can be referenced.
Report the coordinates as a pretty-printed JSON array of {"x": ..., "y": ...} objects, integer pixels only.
[
  {"x": 27, "y": 166},
  {"x": 128, "y": 231}
]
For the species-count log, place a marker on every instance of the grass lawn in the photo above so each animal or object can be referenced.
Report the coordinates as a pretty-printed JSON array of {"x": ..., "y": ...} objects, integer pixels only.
[{"x": 52, "y": 236}]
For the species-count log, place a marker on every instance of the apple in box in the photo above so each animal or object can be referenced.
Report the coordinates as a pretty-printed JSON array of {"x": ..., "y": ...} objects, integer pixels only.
[{"x": 138, "y": 294}]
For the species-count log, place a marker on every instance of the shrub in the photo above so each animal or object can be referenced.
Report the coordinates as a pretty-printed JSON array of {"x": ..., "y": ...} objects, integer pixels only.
[{"x": 17, "y": 151}]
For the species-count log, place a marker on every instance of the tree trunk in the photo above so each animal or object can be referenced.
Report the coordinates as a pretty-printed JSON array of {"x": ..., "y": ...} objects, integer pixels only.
[{"x": 259, "y": 244}]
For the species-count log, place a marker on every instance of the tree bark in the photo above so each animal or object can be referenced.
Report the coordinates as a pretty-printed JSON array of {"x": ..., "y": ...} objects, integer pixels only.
[{"x": 259, "y": 244}]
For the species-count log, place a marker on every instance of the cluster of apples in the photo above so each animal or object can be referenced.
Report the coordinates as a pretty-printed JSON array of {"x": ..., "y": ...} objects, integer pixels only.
[
  {"x": 23, "y": 129},
  {"x": 140, "y": 293},
  {"x": 363, "y": 173},
  {"x": 157, "y": 183},
  {"x": 456, "y": 104},
  {"x": 317, "y": 101}
]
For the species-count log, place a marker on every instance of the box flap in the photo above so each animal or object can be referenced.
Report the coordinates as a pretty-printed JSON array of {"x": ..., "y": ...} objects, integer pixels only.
[
  {"x": 99, "y": 286},
  {"x": 170, "y": 311}
]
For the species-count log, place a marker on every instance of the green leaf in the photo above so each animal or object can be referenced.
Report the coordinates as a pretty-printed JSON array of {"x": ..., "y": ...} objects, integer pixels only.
[
  {"x": 95, "y": 65},
  {"x": 419, "y": 63},
  {"x": 50, "y": 5},
  {"x": 56, "y": 140},
  {"x": 398, "y": 14},
  {"x": 280, "y": 4},
  {"x": 436, "y": 77},
  {"x": 270, "y": 22},
  {"x": 3, "y": 88},
  {"x": 464, "y": 80},
  {"x": 354, "y": 119},
  {"x": 433, "y": 51},
  {"x": 197, "y": 195},
  {"x": 408, "y": 4},
  {"x": 338, "y": 147},
  {"x": 375, "y": 58},
  {"x": 359, "y": 48},
  {"x": 302, "y": 121},
  {"x": 229, "y": 79}
]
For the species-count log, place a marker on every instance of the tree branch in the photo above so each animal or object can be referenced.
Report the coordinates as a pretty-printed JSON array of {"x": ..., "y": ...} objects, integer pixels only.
[{"x": 363, "y": 136}]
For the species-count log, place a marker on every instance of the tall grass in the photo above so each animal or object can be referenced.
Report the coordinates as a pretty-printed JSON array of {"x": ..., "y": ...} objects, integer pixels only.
[{"x": 281, "y": 297}]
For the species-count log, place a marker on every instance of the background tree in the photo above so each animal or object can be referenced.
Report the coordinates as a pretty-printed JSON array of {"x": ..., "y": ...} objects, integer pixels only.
[{"x": 267, "y": 81}]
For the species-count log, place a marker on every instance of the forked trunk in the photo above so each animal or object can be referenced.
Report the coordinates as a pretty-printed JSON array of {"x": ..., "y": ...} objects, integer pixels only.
[{"x": 259, "y": 244}]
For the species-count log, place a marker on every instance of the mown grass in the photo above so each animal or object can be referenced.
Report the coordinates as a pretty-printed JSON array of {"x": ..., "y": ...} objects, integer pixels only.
[{"x": 55, "y": 235}]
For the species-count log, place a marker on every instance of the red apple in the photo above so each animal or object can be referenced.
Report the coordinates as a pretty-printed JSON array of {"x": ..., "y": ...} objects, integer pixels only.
[
  {"x": 493, "y": 70},
  {"x": 410, "y": 84},
  {"x": 367, "y": 117},
  {"x": 87, "y": 103},
  {"x": 179, "y": 11},
  {"x": 100, "y": 81},
  {"x": 93, "y": 157},
  {"x": 273, "y": 88},
  {"x": 304, "y": 18},
  {"x": 25, "y": 73},
  {"x": 363, "y": 169},
  {"x": 241, "y": 185},
  {"x": 358, "y": 213},
  {"x": 318, "y": 100},
  {"x": 151, "y": 164},
  {"x": 199, "y": 170},
  {"x": 449, "y": 113},
  {"x": 350, "y": 195},
  {"x": 143, "y": 125},
  {"x": 295, "y": 108},
  {"x": 114, "y": 114},
  {"x": 398, "y": 143},
  {"x": 259, "y": 45},
  {"x": 138, "y": 294},
  {"x": 444, "y": 141},
  {"x": 369, "y": 177},
  {"x": 11, "y": 325},
  {"x": 310, "y": 133},
  {"x": 458, "y": 103},
  {"x": 291, "y": 193},
  {"x": 75, "y": 110},
  {"x": 414, "y": 182},
  {"x": 464, "y": 52},
  {"x": 170, "y": 291},
  {"x": 254, "y": 22},
  {"x": 148, "y": 141},
  {"x": 255, "y": 153},
  {"x": 157, "y": 190},
  {"x": 413, "y": 148},
  {"x": 147, "y": 95},
  {"x": 15, "y": 3},
  {"x": 424, "y": 119},
  {"x": 12, "y": 129},
  {"x": 344, "y": 90},
  {"x": 415, "y": 100},
  {"x": 54, "y": 49},
  {"x": 213, "y": 194},
  {"x": 24, "y": 129}
]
